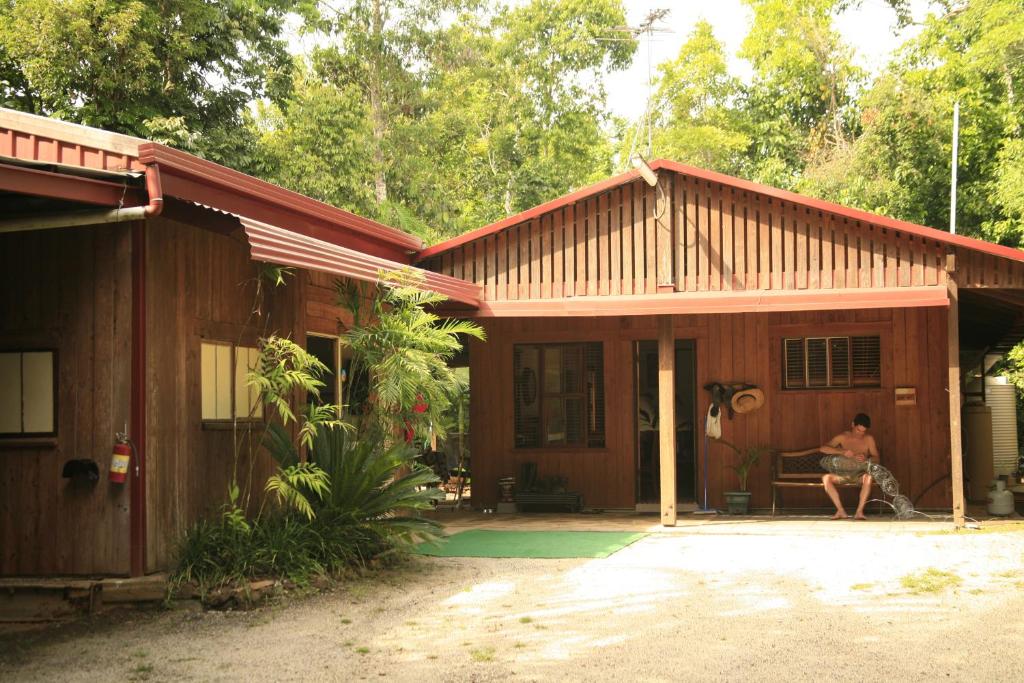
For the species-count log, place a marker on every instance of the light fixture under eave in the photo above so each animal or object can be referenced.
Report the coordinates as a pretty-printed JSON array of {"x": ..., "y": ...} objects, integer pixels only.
[{"x": 646, "y": 172}]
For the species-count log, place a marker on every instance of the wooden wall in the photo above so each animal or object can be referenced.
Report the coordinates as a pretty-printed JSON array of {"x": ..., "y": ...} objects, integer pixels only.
[
  {"x": 69, "y": 290},
  {"x": 914, "y": 441},
  {"x": 201, "y": 285},
  {"x": 690, "y": 235}
]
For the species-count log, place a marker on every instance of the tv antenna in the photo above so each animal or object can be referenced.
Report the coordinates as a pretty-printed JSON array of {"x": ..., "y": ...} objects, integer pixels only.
[{"x": 648, "y": 27}]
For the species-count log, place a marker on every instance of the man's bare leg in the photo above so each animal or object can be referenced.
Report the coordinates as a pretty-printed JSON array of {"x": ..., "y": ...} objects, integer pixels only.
[
  {"x": 830, "y": 488},
  {"x": 865, "y": 491}
]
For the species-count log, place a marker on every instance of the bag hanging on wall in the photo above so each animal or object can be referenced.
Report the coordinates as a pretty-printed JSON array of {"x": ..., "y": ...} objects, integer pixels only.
[{"x": 713, "y": 424}]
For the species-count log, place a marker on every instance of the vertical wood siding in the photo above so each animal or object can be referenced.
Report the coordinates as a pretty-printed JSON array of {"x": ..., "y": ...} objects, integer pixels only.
[
  {"x": 743, "y": 348},
  {"x": 693, "y": 235},
  {"x": 68, "y": 290}
]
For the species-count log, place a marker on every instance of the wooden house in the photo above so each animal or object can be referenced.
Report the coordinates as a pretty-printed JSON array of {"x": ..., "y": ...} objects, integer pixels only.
[
  {"x": 128, "y": 298},
  {"x": 626, "y": 299}
]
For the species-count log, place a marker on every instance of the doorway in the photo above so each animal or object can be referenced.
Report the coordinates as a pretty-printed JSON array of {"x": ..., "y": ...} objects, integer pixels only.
[{"x": 645, "y": 402}]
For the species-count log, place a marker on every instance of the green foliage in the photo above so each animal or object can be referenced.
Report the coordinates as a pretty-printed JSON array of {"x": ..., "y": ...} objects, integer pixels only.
[
  {"x": 376, "y": 487},
  {"x": 283, "y": 368},
  {"x": 696, "y": 119},
  {"x": 294, "y": 485},
  {"x": 178, "y": 70},
  {"x": 405, "y": 350},
  {"x": 748, "y": 457}
]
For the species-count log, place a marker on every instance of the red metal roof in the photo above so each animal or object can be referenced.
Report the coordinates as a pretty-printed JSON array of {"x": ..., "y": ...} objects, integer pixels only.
[
  {"x": 36, "y": 138},
  {"x": 276, "y": 245},
  {"x": 679, "y": 303},
  {"x": 712, "y": 176}
]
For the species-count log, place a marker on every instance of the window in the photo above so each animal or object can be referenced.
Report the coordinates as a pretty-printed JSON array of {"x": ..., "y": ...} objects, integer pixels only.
[
  {"x": 327, "y": 350},
  {"x": 27, "y": 393},
  {"x": 831, "y": 362},
  {"x": 225, "y": 394},
  {"x": 559, "y": 395}
]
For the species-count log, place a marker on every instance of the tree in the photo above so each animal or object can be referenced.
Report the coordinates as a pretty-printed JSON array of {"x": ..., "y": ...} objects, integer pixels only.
[
  {"x": 695, "y": 115},
  {"x": 180, "y": 71},
  {"x": 456, "y": 124},
  {"x": 900, "y": 164},
  {"x": 804, "y": 86}
]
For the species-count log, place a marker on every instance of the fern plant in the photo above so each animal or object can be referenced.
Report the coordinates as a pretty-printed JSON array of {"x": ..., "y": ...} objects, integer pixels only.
[{"x": 296, "y": 484}]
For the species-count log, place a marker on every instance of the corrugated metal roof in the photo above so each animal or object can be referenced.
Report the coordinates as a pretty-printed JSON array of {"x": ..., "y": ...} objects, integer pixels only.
[{"x": 277, "y": 245}]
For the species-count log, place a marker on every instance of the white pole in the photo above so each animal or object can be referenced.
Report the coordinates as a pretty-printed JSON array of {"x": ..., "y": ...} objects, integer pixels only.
[{"x": 952, "y": 189}]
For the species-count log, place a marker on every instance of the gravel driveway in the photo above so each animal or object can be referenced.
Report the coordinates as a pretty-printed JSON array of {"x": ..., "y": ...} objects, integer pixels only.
[{"x": 728, "y": 604}]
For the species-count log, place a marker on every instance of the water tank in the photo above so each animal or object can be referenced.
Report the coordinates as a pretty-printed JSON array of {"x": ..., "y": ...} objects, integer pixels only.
[{"x": 977, "y": 419}]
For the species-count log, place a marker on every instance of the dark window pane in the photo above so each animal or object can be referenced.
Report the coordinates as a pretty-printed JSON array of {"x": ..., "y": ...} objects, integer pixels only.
[
  {"x": 867, "y": 361},
  {"x": 526, "y": 362},
  {"x": 794, "y": 361},
  {"x": 839, "y": 361},
  {"x": 323, "y": 349}
]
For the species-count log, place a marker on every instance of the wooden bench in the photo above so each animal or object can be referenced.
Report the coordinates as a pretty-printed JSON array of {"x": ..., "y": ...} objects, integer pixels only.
[
  {"x": 799, "y": 469},
  {"x": 574, "y": 501}
]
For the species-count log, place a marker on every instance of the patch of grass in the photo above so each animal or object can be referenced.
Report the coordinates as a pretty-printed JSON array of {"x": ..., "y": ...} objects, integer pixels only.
[
  {"x": 540, "y": 627},
  {"x": 930, "y": 580},
  {"x": 347, "y": 643},
  {"x": 518, "y": 645},
  {"x": 346, "y": 620},
  {"x": 1009, "y": 574},
  {"x": 861, "y": 586},
  {"x": 431, "y": 656},
  {"x": 483, "y": 654},
  {"x": 525, "y": 620},
  {"x": 411, "y": 623},
  {"x": 140, "y": 672},
  {"x": 140, "y": 654},
  {"x": 363, "y": 650}
]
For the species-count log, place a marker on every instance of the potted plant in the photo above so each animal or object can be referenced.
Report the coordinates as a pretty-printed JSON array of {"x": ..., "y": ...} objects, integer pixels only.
[{"x": 738, "y": 502}]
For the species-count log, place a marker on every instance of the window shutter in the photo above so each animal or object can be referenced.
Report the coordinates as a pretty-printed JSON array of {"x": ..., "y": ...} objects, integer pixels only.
[
  {"x": 839, "y": 361},
  {"x": 595, "y": 395},
  {"x": 794, "y": 362},
  {"x": 817, "y": 362},
  {"x": 867, "y": 361}
]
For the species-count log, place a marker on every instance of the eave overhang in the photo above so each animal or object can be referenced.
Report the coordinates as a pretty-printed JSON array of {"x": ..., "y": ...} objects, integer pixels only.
[{"x": 272, "y": 244}]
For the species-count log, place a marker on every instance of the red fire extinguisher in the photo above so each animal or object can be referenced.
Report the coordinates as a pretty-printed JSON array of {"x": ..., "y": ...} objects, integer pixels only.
[{"x": 119, "y": 459}]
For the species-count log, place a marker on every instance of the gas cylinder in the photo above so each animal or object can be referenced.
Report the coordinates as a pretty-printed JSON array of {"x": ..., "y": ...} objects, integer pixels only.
[{"x": 1000, "y": 500}]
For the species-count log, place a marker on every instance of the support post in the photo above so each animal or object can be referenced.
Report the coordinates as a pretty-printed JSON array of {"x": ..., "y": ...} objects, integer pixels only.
[
  {"x": 667, "y": 418},
  {"x": 955, "y": 447}
]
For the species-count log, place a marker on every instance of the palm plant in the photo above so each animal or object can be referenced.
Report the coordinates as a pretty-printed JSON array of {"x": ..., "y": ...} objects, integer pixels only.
[
  {"x": 374, "y": 486},
  {"x": 405, "y": 350}
]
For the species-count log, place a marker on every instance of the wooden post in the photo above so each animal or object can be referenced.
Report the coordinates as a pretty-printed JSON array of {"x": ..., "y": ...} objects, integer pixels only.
[
  {"x": 667, "y": 418},
  {"x": 955, "y": 450}
]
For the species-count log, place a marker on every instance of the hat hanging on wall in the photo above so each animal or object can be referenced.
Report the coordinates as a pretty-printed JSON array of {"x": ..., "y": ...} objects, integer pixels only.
[{"x": 747, "y": 400}]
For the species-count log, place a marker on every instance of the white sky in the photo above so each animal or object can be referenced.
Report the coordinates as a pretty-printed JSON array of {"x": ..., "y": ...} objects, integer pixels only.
[{"x": 869, "y": 29}]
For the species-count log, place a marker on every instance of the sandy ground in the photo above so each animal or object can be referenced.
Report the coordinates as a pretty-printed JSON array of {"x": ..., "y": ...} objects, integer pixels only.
[{"x": 728, "y": 602}]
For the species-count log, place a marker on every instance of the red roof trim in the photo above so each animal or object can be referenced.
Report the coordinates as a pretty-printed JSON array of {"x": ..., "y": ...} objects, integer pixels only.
[
  {"x": 277, "y": 245},
  {"x": 783, "y": 195},
  {"x": 524, "y": 216},
  {"x": 716, "y": 302},
  {"x": 174, "y": 162}
]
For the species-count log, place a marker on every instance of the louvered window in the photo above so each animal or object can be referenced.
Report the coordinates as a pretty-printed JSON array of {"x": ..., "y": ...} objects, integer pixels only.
[
  {"x": 831, "y": 362},
  {"x": 559, "y": 395}
]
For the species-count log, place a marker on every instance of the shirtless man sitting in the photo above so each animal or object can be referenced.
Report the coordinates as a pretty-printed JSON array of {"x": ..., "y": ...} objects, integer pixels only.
[{"x": 858, "y": 445}]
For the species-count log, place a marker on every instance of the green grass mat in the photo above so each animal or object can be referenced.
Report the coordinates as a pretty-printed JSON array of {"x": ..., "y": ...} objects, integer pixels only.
[{"x": 533, "y": 544}]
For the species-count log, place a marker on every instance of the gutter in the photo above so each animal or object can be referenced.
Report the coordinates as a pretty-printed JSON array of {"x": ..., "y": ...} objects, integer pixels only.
[{"x": 154, "y": 190}]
